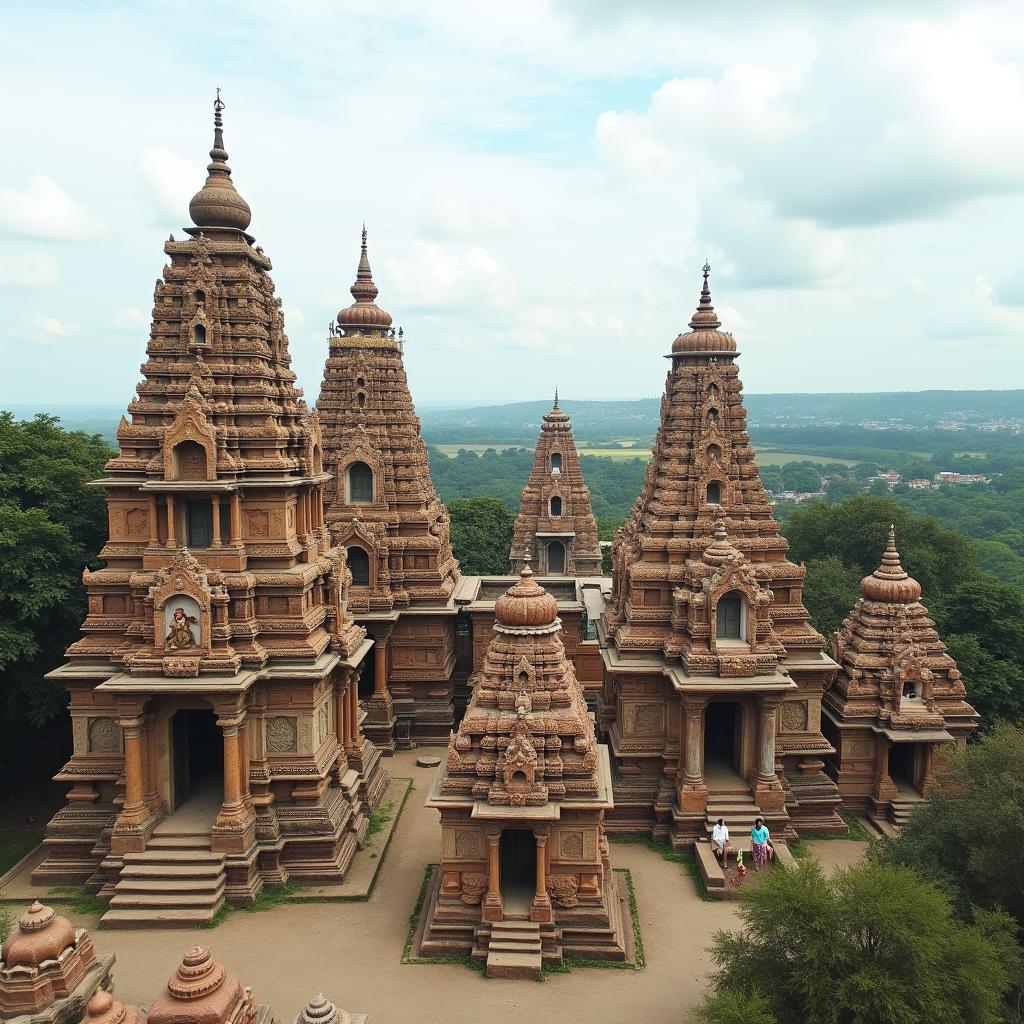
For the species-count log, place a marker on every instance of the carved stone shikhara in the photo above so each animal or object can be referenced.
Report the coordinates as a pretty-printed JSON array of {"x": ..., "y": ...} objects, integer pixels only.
[
  {"x": 222, "y": 592},
  {"x": 898, "y": 698},
  {"x": 382, "y": 507},
  {"x": 524, "y": 792},
  {"x": 555, "y": 527},
  {"x": 705, "y": 609}
]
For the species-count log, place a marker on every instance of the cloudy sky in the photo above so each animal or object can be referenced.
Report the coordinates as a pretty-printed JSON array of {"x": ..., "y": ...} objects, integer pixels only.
[{"x": 542, "y": 181}]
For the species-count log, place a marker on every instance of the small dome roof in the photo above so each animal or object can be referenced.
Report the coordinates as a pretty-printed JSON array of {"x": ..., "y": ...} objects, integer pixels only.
[
  {"x": 890, "y": 582},
  {"x": 217, "y": 204},
  {"x": 704, "y": 335},
  {"x": 526, "y": 604},
  {"x": 103, "y": 1008},
  {"x": 320, "y": 1010},
  {"x": 41, "y": 935},
  {"x": 364, "y": 312}
]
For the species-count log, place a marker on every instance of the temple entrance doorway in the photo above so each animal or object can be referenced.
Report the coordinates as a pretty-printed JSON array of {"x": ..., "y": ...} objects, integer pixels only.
[
  {"x": 367, "y": 677},
  {"x": 723, "y": 722},
  {"x": 903, "y": 766},
  {"x": 197, "y": 755},
  {"x": 518, "y": 852}
]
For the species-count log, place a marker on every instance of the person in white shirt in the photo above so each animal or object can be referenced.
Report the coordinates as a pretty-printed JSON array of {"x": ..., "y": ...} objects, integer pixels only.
[{"x": 720, "y": 841}]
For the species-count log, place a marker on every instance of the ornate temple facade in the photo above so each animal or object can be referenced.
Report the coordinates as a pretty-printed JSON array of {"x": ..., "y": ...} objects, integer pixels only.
[
  {"x": 897, "y": 700},
  {"x": 522, "y": 798},
  {"x": 714, "y": 674},
  {"x": 382, "y": 507},
  {"x": 213, "y": 693},
  {"x": 555, "y": 527}
]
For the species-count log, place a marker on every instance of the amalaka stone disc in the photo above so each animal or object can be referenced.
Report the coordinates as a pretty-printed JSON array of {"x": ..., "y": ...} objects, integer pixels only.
[{"x": 428, "y": 761}]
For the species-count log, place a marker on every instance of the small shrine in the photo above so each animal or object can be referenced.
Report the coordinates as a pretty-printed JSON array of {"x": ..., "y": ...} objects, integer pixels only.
[
  {"x": 556, "y": 526},
  {"x": 49, "y": 970},
  {"x": 203, "y": 992},
  {"x": 522, "y": 797},
  {"x": 898, "y": 699}
]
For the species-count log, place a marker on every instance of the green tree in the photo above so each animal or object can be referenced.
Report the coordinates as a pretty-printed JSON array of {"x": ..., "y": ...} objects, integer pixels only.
[
  {"x": 482, "y": 534},
  {"x": 868, "y": 944},
  {"x": 968, "y": 837},
  {"x": 51, "y": 526},
  {"x": 831, "y": 589},
  {"x": 801, "y": 476}
]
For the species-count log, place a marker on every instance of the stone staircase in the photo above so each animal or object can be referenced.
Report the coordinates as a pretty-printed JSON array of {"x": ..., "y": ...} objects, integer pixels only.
[
  {"x": 514, "y": 950},
  {"x": 738, "y": 809},
  {"x": 900, "y": 808},
  {"x": 177, "y": 882}
]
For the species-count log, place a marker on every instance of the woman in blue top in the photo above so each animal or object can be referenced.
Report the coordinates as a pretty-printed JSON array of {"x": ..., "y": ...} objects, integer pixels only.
[{"x": 760, "y": 847}]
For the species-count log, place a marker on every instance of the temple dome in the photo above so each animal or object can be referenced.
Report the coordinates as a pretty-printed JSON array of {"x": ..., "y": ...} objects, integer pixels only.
[
  {"x": 704, "y": 335},
  {"x": 217, "y": 204},
  {"x": 364, "y": 312},
  {"x": 41, "y": 935},
  {"x": 890, "y": 582},
  {"x": 320, "y": 1010},
  {"x": 103, "y": 1008},
  {"x": 526, "y": 604}
]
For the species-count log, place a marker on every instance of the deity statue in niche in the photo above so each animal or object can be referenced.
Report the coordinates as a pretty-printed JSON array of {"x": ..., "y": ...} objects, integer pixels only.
[{"x": 180, "y": 636}]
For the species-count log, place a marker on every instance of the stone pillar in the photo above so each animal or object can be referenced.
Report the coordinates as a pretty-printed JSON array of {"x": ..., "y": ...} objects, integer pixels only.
[
  {"x": 380, "y": 717},
  {"x": 151, "y": 796},
  {"x": 232, "y": 812},
  {"x": 884, "y": 788},
  {"x": 215, "y": 502},
  {"x": 927, "y": 766},
  {"x": 541, "y": 908},
  {"x": 154, "y": 522},
  {"x": 341, "y": 713},
  {"x": 172, "y": 540},
  {"x": 243, "y": 761},
  {"x": 693, "y": 792},
  {"x": 767, "y": 788},
  {"x": 491, "y": 910},
  {"x": 236, "y": 520},
  {"x": 130, "y": 829}
]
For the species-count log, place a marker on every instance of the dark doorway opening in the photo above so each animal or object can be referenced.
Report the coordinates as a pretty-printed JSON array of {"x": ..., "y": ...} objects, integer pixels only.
[
  {"x": 903, "y": 764},
  {"x": 198, "y": 753},
  {"x": 518, "y": 852},
  {"x": 556, "y": 557},
  {"x": 368, "y": 676},
  {"x": 722, "y": 734}
]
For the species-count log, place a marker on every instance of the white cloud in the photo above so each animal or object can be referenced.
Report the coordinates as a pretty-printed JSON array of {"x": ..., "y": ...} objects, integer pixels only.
[
  {"x": 42, "y": 209},
  {"x": 43, "y": 330},
  {"x": 29, "y": 270},
  {"x": 131, "y": 319},
  {"x": 172, "y": 179},
  {"x": 433, "y": 275}
]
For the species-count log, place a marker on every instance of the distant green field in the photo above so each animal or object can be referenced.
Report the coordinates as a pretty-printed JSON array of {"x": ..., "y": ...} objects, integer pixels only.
[{"x": 766, "y": 456}]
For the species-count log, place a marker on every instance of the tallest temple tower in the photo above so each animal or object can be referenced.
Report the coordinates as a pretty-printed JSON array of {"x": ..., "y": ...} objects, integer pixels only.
[
  {"x": 217, "y": 671},
  {"x": 714, "y": 674}
]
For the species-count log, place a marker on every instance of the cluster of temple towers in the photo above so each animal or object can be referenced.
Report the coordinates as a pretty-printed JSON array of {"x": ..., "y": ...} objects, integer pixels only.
[{"x": 280, "y": 606}]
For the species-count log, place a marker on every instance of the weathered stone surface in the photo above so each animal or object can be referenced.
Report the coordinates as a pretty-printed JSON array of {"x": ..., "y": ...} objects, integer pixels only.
[{"x": 428, "y": 761}]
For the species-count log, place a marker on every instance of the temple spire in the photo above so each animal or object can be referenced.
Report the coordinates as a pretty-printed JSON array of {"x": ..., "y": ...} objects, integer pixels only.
[
  {"x": 364, "y": 313},
  {"x": 217, "y": 204},
  {"x": 705, "y": 316},
  {"x": 555, "y": 406}
]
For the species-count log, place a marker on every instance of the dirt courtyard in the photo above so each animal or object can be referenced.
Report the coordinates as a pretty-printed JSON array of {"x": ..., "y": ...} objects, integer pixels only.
[{"x": 352, "y": 951}]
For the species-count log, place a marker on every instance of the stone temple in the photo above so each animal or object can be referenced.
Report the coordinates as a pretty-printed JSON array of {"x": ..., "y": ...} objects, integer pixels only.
[{"x": 280, "y": 606}]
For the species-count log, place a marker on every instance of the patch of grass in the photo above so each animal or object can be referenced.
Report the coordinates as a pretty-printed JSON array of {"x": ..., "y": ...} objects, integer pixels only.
[
  {"x": 687, "y": 861},
  {"x": 857, "y": 830},
  {"x": 417, "y": 910},
  {"x": 267, "y": 898},
  {"x": 80, "y": 900},
  {"x": 6, "y": 922},
  {"x": 380, "y": 818},
  {"x": 800, "y": 851}
]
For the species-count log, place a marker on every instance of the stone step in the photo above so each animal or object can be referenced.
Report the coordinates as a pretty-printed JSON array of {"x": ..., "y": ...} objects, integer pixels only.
[
  {"x": 167, "y": 917},
  {"x": 170, "y": 886},
  {"x": 166, "y": 901},
  {"x": 160, "y": 843},
  {"x": 514, "y": 965},
  {"x": 157, "y": 870},
  {"x": 172, "y": 857},
  {"x": 518, "y": 946},
  {"x": 515, "y": 935},
  {"x": 738, "y": 797}
]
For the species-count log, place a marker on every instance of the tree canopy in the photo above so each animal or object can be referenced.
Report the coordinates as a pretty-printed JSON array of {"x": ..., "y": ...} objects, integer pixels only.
[
  {"x": 868, "y": 944},
  {"x": 482, "y": 534},
  {"x": 51, "y": 526}
]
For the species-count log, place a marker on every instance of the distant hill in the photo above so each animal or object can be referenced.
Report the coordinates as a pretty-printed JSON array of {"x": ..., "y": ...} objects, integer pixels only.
[{"x": 601, "y": 423}]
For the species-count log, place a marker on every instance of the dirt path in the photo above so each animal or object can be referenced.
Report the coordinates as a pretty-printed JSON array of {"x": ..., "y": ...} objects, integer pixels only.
[{"x": 351, "y": 952}]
